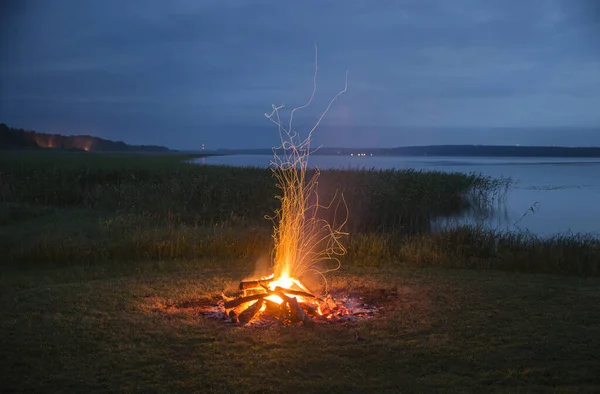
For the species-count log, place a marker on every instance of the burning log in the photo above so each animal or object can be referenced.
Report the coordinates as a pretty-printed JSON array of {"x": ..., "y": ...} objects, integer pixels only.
[
  {"x": 312, "y": 310},
  {"x": 299, "y": 313},
  {"x": 300, "y": 293},
  {"x": 250, "y": 312},
  {"x": 233, "y": 316},
  {"x": 241, "y": 300},
  {"x": 296, "y": 312},
  {"x": 272, "y": 308},
  {"x": 278, "y": 307},
  {"x": 295, "y": 292},
  {"x": 282, "y": 304},
  {"x": 255, "y": 283}
]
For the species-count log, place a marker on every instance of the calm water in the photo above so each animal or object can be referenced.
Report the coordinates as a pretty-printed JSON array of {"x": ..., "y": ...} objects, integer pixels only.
[{"x": 564, "y": 192}]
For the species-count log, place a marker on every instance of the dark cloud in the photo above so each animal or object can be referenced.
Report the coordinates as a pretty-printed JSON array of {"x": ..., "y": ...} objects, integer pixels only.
[{"x": 184, "y": 72}]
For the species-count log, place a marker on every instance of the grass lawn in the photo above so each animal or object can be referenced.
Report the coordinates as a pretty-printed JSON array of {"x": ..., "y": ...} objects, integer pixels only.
[
  {"x": 135, "y": 327},
  {"x": 106, "y": 260}
]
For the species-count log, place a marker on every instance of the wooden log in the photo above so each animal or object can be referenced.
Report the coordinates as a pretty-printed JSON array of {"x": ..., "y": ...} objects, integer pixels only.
[
  {"x": 311, "y": 310},
  {"x": 250, "y": 312},
  {"x": 300, "y": 314},
  {"x": 272, "y": 308},
  {"x": 241, "y": 300},
  {"x": 295, "y": 292},
  {"x": 233, "y": 316},
  {"x": 254, "y": 284},
  {"x": 296, "y": 312}
]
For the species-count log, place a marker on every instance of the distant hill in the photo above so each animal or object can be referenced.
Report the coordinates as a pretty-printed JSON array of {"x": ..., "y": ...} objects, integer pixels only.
[
  {"x": 11, "y": 138},
  {"x": 446, "y": 150}
]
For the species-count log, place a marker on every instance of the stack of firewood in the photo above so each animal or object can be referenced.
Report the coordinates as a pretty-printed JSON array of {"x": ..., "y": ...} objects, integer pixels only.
[{"x": 290, "y": 310}]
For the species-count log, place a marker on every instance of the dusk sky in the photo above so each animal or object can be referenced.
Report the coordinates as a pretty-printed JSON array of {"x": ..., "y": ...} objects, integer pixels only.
[{"x": 181, "y": 73}]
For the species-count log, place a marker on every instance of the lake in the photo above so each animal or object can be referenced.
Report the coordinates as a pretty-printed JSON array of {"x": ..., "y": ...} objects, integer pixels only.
[{"x": 563, "y": 192}]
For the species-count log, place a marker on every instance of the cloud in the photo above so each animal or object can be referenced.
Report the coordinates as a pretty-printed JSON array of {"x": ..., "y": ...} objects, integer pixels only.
[{"x": 141, "y": 68}]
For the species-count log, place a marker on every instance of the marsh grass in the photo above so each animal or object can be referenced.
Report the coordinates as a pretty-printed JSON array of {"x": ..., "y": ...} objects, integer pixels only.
[
  {"x": 65, "y": 208},
  {"x": 67, "y": 235},
  {"x": 379, "y": 200},
  {"x": 480, "y": 248}
]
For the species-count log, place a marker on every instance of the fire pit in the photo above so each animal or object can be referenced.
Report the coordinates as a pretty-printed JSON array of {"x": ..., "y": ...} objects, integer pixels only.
[
  {"x": 304, "y": 241},
  {"x": 285, "y": 301}
]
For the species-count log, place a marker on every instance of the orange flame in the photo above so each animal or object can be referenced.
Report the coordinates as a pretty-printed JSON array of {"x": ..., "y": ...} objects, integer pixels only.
[{"x": 302, "y": 241}]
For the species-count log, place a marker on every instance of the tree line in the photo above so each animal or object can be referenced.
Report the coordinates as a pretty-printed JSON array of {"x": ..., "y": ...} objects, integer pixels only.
[{"x": 13, "y": 138}]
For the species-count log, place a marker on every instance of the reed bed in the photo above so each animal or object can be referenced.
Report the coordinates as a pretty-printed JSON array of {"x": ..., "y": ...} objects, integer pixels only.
[
  {"x": 475, "y": 247},
  {"x": 62, "y": 208},
  {"x": 378, "y": 200}
]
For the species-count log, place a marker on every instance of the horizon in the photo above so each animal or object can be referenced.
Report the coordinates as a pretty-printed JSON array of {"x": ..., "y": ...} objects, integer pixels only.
[
  {"x": 184, "y": 73},
  {"x": 444, "y": 130}
]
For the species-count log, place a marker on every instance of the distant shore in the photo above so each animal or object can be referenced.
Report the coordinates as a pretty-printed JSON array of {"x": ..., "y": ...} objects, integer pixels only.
[{"x": 442, "y": 150}]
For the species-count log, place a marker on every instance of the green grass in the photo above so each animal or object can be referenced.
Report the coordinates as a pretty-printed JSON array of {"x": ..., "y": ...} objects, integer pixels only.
[
  {"x": 440, "y": 330},
  {"x": 105, "y": 259}
]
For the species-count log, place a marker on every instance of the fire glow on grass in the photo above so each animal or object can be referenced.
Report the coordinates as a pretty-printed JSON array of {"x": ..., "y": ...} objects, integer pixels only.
[{"x": 303, "y": 243}]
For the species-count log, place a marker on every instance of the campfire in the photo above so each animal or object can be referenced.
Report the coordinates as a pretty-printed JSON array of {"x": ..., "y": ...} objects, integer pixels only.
[
  {"x": 286, "y": 301},
  {"x": 303, "y": 241}
]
